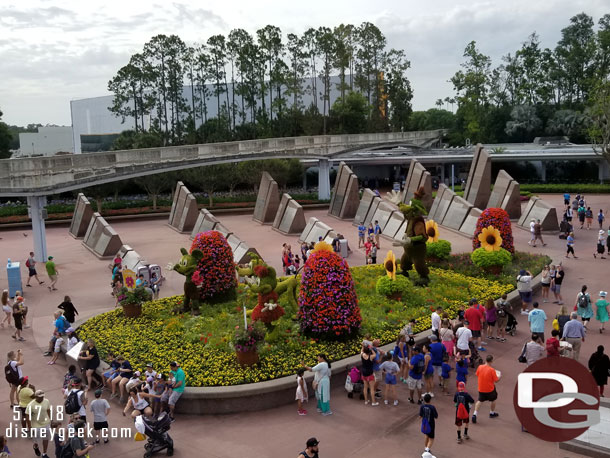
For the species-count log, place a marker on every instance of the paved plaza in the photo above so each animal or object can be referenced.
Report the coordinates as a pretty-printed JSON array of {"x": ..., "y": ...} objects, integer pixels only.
[{"x": 355, "y": 430}]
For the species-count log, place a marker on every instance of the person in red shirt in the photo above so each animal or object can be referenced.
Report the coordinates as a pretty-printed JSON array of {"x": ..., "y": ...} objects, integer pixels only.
[
  {"x": 552, "y": 344},
  {"x": 474, "y": 315},
  {"x": 487, "y": 378}
]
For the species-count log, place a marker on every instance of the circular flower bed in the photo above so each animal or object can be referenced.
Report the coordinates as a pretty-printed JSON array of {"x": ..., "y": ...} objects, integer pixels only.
[{"x": 203, "y": 344}]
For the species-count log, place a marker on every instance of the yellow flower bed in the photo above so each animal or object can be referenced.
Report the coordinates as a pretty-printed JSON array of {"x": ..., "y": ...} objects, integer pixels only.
[{"x": 202, "y": 344}]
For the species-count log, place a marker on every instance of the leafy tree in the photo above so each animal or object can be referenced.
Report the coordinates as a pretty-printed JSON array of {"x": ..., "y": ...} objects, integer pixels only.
[
  {"x": 398, "y": 89},
  {"x": 350, "y": 116},
  {"x": 524, "y": 121},
  {"x": 599, "y": 130},
  {"x": 5, "y": 139},
  {"x": 157, "y": 184},
  {"x": 209, "y": 179}
]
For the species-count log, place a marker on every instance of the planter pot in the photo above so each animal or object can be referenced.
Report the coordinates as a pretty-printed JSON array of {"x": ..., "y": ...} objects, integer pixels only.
[
  {"x": 132, "y": 311},
  {"x": 247, "y": 358}
]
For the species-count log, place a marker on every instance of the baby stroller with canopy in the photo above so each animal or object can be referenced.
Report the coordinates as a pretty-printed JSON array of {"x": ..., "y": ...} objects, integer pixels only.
[
  {"x": 353, "y": 383},
  {"x": 156, "y": 430},
  {"x": 475, "y": 357},
  {"x": 511, "y": 324}
]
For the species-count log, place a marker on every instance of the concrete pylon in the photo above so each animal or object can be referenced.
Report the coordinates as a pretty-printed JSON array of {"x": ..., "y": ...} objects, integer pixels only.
[
  {"x": 36, "y": 205},
  {"x": 323, "y": 179}
]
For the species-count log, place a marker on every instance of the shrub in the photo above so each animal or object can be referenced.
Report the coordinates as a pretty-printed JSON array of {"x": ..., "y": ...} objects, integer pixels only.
[
  {"x": 499, "y": 219},
  {"x": 328, "y": 305},
  {"x": 138, "y": 296},
  {"x": 386, "y": 286},
  {"x": 438, "y": 250},
  {"x": 249, "y": 338},
  {"x": 485, "y": 259},
  {"x": 582, "y": 188},
  {"x": 216, "y": 269}
]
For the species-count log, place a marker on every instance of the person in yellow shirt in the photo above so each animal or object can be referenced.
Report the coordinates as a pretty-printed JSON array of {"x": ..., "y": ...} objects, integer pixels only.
[
  {"x": 39, "y": 413},
  {"x": 25, "y": 395}
]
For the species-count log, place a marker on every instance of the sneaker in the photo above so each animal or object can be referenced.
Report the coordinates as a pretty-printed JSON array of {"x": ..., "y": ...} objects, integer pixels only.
[
  {"x": 21, "y": 339},
  {"x": 396, "y": 402},
  {"x": 459, "y": 440},
  {"x": 326, "y": 414},
  {"x": 44, "y": 455},
  {"x": 46, "y": 353},
  {"x": 483, "y": 342},
  {"x": 474, "y": 419},
  {"x": 411, "y": 401},
  {"x": 419, "y": 402},
  {"x": 106, "y": 441},
  {"x": 301, "y": 412},
  {"x": 482, "y": 349},
  {"x": 560, "y": 303},
  {"x": 386, "y": 402},
  {"x": 365, "y": 403},
  {"x": 490, "y": 338},
  {"x": 375, "y": 404},
  {"x": 36, "y": 450},
  {"x": 431, "y": 395},
  {"x": 466, "y": 436},
  {"x": 319, "y": 410},
  {"x": 494, "y": 415}
]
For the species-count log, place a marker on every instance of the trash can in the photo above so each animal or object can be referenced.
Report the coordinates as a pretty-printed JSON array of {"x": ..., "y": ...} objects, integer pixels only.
[
  {"x": 13, "y": 274},
  {"x": 343, "y": 248}
]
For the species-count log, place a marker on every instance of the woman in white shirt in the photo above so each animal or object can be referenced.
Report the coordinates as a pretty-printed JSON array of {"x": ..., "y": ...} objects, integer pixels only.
[{"x": 321, "y": 383}]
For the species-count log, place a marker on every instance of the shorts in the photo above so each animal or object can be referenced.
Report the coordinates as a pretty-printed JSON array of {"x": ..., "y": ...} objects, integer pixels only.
[
  {"x": 600, "y": 248},
  {"x": 98, "y": 425},
  {"x": 37, "y": 433},
  {"x": 110, "y": 376},
  {"x": 566, "y": 201},
  {"x": 476, "y": 333},
  {"x": 438, "y": 370},
  {"x": 32, "y": 272},
  {"x": 368, "y": 378},
  {"x": 390, "y": 379},
  {"x": 165, "y": 396},
  {"x": 173, "y": 398},
  {"x": 377, "y": 375},
  {"x": 545, "y": 285},
  {"x": 557, "y": 288},
  {"x": 53, "y": 277},
  {"x": 491, "y": 323},
  {"x": 502, "y": 321},
  {"x": 413, "y": 383},
  {"x": 491, "y": 396},
  {"x": 463, "y": 352},
  {"x": 526, "y": 296},
  {"x": 431, "y": 433},
  {"x": 428, "y": 376},
  {"x": 585, "y": 319},
  {"x": 460, "y": 421}
]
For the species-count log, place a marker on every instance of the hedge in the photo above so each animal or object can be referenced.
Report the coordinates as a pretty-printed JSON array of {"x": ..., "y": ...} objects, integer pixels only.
[{"x": 572, "y": 188}]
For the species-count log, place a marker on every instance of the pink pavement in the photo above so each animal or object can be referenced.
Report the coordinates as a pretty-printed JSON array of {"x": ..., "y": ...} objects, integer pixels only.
[{"x": 354, "y": 430}]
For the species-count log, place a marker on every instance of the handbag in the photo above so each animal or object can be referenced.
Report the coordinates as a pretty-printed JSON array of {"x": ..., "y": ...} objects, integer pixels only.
[
  {"x": 522, "y": 358},
  {"x": 556, "y": 324}
]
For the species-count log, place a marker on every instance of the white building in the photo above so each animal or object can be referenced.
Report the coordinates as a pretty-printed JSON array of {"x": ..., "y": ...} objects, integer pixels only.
[{"x": 46, "y": 142}]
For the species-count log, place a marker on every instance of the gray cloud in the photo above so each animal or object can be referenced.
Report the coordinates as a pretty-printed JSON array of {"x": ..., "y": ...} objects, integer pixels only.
[{"x": 13, "y": 18}]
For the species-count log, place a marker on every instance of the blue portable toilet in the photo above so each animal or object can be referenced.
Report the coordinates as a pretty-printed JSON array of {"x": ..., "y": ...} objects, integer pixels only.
[{"x": 13, "y": 274}]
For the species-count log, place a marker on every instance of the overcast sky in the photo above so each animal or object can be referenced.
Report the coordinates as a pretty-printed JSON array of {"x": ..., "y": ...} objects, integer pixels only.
[{"x": 52, "y": 52}]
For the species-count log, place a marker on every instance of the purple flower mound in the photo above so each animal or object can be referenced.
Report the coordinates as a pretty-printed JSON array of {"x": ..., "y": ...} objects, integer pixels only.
[{"x": 216, "y": 270}]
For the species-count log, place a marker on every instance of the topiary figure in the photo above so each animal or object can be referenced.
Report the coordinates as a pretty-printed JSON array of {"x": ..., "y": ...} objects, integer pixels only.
[
  {"x": 209, "y": 270},
  {"x": 328, "y": 305},
  {"x": 262, "y": 280},
  {"x": 414, "y": 239},
  {"x": 498, "y": 218}
]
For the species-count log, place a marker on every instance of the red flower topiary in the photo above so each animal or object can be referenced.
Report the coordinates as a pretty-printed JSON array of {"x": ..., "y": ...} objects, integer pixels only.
[
  {"x": 216, "y": 270},
  {"x": 499, "y": 219}
]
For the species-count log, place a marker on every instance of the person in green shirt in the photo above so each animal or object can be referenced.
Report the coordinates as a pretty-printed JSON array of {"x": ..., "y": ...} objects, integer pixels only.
[
  {"x": 179, "y": 382},
  {"x": 52, "y": 272},
  {"x": 602, "y": 310}
]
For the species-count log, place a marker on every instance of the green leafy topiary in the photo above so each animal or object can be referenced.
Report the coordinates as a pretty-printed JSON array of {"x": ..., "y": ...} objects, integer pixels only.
[
  {"x": 386, "y": 286},
  {"x": 485, "y": 259},
  {"x": 440, "y": 249}
]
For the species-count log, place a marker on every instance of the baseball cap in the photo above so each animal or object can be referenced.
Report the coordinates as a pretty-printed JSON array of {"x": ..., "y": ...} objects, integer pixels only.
[
  {"x": 174, "y": 364},
  {"x": 98, "y": 393},
  {"x": 159, "y": 375},
  {"x": 50, "y": 257},
  {"x": 461, "y": 386},
  {"x": 23, "y": 380},
  {"x": 312, "y": 442},
  {"x": 433, "y": 338},
  {"x": 76, "y": 381},
  {"x": 39, "y": 393},
  {"x": 149, "y": 365},
  {"x": 137, "y": 373}
]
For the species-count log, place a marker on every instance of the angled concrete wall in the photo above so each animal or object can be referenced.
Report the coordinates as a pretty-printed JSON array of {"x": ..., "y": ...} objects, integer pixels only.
[
  {"x": 267, "y": 200},
  {"x": 394, "y": 225},
  {"x": 344, "y": 201},
  {"x": 506, "y": 195},
  {"x": 456, "y": 213},
  {"x": 383, "y": 214},
  {"x": 367, "y": 200},
  {"x": 469, "y": 225},
  {"x": 441, "y": 203},
  {"x": 205, "y": 222},
  {"x": 478, "y": 186},
  {"x": 290, "y": 218},
  {"x": 418, "y": 177},
  {"x": 101, "y": 239},
  {"x": 83, "y": 211},
  {"x": 183, "y": 214},
  {"x": 538, "y": 209},
  {"x": 314, "y": 230}
]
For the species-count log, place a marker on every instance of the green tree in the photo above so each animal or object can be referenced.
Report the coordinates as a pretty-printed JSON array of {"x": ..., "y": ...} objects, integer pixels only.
[
  {"x": 272, "y": 48},
  {"x": 398, "y": 88},
  {"x": 524, "y": 121},
  {"x": 157, "y": 184},
  {"x": 209, "y": 179},
  {"x": 327, "y": 45},
  {"x": 599, "y": 111},
  {"x": 350, "y": 116},
  {"x": 5, "y": 139}
]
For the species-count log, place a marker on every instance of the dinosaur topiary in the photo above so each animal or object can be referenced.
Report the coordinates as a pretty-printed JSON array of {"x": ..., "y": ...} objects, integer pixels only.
[
  {"x": 209, "y": 270},
  {"x": 414, "y": 239},
  {"x": 262, "y": 280}
]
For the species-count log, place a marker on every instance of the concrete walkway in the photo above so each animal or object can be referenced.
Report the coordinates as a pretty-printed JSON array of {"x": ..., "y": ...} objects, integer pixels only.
[{"x": 354, "y": 430}]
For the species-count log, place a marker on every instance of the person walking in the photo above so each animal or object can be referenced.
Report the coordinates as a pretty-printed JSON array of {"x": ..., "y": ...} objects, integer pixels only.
[
  {"x": 559, "y": 276},
  {"x": 377, "y": 233},
  {"x": 18, "y": 318},
  {"x": 601, "y": 244},
  {"x": 538, "y": 233},
  {"x": 100, "y": 409},
  {"x": 30, "y": 263},
  {"x": 581, "y": 215},
  {"x": 601, "y": 313},
  {"x": 428, "y": 415},
  {"x": 39, "y": 413},
  {"x": 570, "y": 246},
  {"x": 599, "y": 365},
  {"x": 462, "y": 401},
  {"x": 52, "y": 272},
  {"x": 562, "y": 318},
  {"x": 487, "y": 378},
  {"x": 545, "y": 283},
  {"x": 417, "y": 366},
  {"x": 69, "y": 310},
  {"x": 552, "y": 344},
  {"x": 524, "y": 286},
  {"x": 361, "y": 231},
  {"x": 532, "y": 232},
  {"x": 321, "y": 383},
  {"x": 311, "y": 449},
  {"x": 574, "y": 334},
  {"x": 583, "y": 306},
  {"x": 589, "y": 217},
  {"x": 475, "y": 316},
  {"x": 566, "y": 199},
  {"x": 534, "y": 349},
  {"x": 7, "y": 308},
  {"x": 77, "y": 442},
  {"x": 536, "y": 319},
  {"x": 14, "y": 374},
  {"x": 600, "y": 219}
]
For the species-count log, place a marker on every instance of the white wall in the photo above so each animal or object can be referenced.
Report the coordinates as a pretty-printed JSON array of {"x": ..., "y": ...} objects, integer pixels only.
[{"x": 47, "y": 141}]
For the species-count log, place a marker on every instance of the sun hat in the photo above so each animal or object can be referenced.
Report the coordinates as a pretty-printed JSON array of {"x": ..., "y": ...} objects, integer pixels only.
[
  {"x": 603, "y": 293},
  {"x": 461, "y": 386}
]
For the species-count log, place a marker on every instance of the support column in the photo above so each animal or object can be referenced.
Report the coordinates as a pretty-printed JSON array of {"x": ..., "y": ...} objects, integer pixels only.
[
  {"x": 36, "y": 206},
  {"x": 604, "y": 171},
  {"x": 323, "y": 179},
  {"x": 442, "y": 173},
  {"x": 305, "y": 179},
  {"x": 543, "y": 171}
]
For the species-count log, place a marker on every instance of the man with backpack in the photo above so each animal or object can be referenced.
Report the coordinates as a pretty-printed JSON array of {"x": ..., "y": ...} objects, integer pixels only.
[
  {"x": 428, "y": 415},
  {"x": 462, "y": 401},
  {"x": 76, "y": 400},
  {"x": 30, "y": 263},
  {"x": 13, "y": 374},
  {"x": 416, "y": 372}
]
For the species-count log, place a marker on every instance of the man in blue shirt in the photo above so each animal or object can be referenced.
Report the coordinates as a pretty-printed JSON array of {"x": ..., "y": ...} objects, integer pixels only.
[
  {"x": 536, "y": 319},
  {"x": 416, "y": 372},
  {"x": 437, "y": 350},
  {"x": 574, "y": 333},
  {"x": 566, "y": 198},
  {"x": 361, "y": 231}
]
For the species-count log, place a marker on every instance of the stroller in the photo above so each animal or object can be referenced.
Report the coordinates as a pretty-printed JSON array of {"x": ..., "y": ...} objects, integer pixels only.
[
  {"x": 156, "y": 430},
  {"x": 353, "y": 383},
  {"x": 475, "y": 357},
  {"x": 511, "y": 324}
]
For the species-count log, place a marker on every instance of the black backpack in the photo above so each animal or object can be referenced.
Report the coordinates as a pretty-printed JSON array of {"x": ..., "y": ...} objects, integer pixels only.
[
  {"x": 12, "y": 374},
  {"x": 72, "y": 404},
  {"x": 583, "y": 300}
]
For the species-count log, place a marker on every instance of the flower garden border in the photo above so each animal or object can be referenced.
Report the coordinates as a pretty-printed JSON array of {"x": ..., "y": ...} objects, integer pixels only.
[{"x": 252, "y": 397}]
